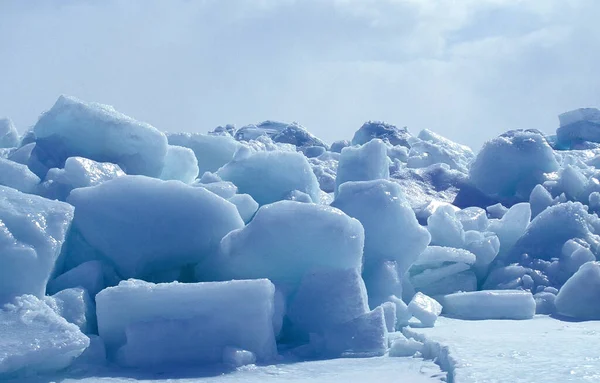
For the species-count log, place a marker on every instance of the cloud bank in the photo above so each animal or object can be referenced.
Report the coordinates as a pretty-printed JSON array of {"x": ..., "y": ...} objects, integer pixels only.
[{"x": 466, "y": 69}]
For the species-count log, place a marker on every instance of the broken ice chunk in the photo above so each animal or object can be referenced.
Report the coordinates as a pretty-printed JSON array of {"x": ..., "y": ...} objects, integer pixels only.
[{"x": 425, "y": 309}]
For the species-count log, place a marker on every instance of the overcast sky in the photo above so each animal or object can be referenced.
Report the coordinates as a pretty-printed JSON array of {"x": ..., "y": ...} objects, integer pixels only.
[{"x": 467, "y": 69}]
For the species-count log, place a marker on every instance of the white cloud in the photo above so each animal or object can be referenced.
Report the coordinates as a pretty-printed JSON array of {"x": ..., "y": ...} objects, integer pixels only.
[{"x": 468, "y": 69}]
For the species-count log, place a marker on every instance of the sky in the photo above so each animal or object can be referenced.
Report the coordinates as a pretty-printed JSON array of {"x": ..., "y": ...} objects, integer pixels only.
[{"x": 466, "y": 69}]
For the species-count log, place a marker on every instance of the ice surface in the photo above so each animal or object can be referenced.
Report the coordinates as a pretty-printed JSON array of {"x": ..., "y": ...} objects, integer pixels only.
[
  {"x": 392, "y": 232},
  {"x": 34, "y": 339},
  {"x": 510, "y": 166},
  {"x": 18, "y": 176},
  {"x": 246, "y": 206},
  {"x": 180, "y": 164},
  {"x": 365, "y": 163},
  {"x": 578, "y": 297},
  {"x": 287, "y": 239},
  {"x": 425, "y": 309},
  {"x": 380, "y": 369},
  {"x": 431, "y": 148},
  {"x": 211, "y": 152},
  {"x": 157, "y": 325},
  {"x": 76, "y": 306},
  {"x": 32, "y": 231},
  {"x": 9, "y": 137},
  {"x": 100, "y": 133},
  {"x": 524, "y": 351},
  {"x": 489, "y": 304},
  {"x": 145, "y": 225},
  {"x": 279, "y": 174},
  {"x": 78, "y": 172},
  {"x": 383, "y": 131}
]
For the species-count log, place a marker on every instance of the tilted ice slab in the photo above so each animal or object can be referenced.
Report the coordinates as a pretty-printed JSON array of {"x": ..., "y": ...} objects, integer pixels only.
[
  {"x": 9, "y": 136},
  {"x": 33, "y": 339},
  {"x": 32, "y": 231},
  {"x": 98, "y": 132},
  {"x": 539, "y": 350}
]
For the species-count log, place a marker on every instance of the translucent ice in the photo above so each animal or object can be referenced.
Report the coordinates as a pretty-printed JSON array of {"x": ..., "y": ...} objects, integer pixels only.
[
  {"x": 578, "y": 297},
  {"x": 144, "y": 225},
  {"x": 392, "y": 232},
  {"x": 298, "y": 136},
  {"x": 578, "y": 126},
  {"x": 76, "y": 306},
  {"x": 93, "y": 276},
  {"x": 383, "y": 131},
  {"x": 211, "y": 151},
  {"x": 34, "y": 339},
  {"x": 98, "y": 132},
  {"x": 279, "y": 174},
  {"x": 425, "y": 309},
  {"x": 9, "y": 138},
  {"x": 365, "y": 163},
  {"x": 365, "y": 336},
  {"x": 545, "y": 236},
  {"x": 287, "y": 239},
  {"x": 246, "y": 206},
  {"x": 32, "y": 231},
  {"x": 180, "y": 164},
  {"x": 432, "y": 148},
  {"x": 489, "y": 304},
  {"x": 17, "y": 176},
  {"x": 509, "y": 167},
  {"x": 328, "y": 298},
  {"x": 78, "y": 172},
  {"x": 172, "y": 324},
  {"x": 445, "y": 228}
]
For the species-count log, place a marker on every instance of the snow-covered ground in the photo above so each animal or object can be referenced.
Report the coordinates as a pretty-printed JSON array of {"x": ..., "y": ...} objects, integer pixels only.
[
  {"x": 380, "y": 369},
  {"x": 542, "y": 349}
]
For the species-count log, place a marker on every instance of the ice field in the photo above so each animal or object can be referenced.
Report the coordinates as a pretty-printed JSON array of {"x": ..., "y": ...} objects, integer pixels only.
[{"x": 266, "y": 254}]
